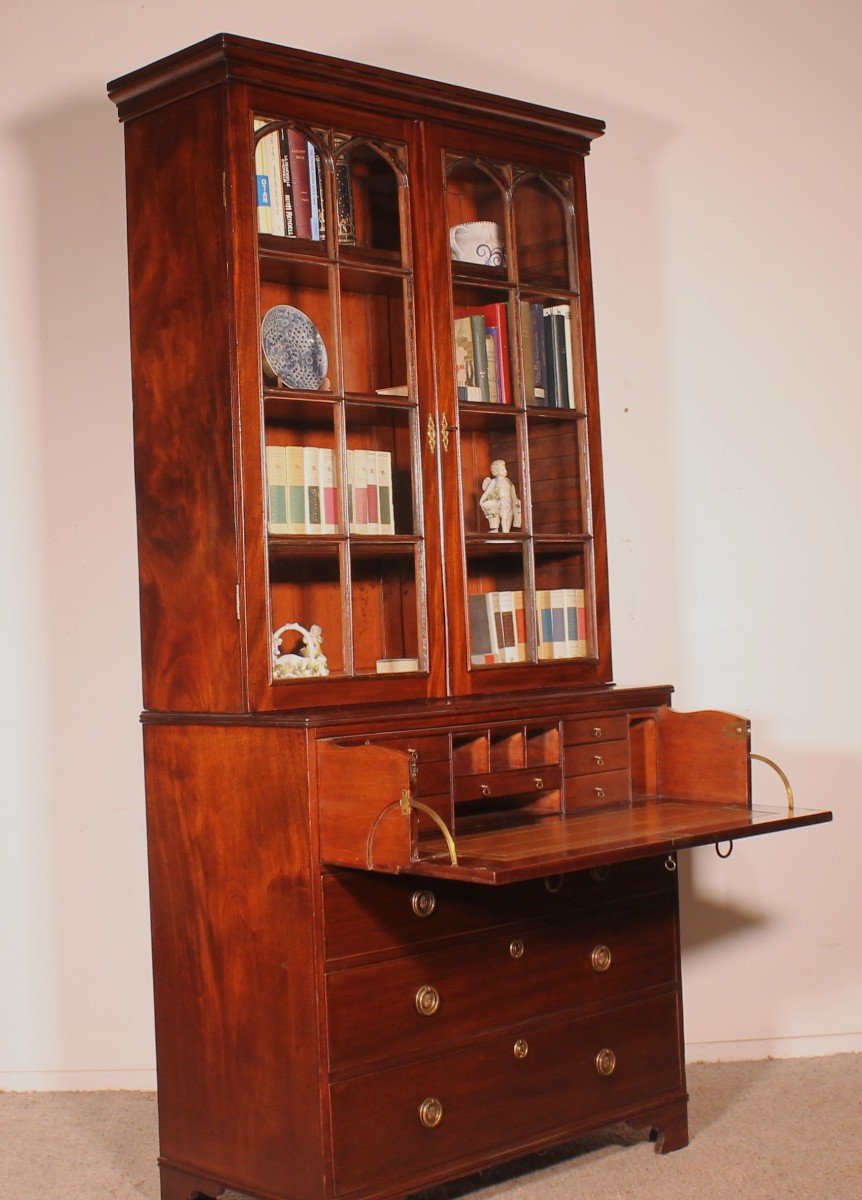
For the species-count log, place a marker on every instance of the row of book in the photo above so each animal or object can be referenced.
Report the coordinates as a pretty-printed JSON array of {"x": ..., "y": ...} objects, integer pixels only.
[
  {"x": 498, "y": 626},
  {"x": 483, "y": 360},
  {"x": 303, "y": 495},
  {"x": 291, "y": 187}
]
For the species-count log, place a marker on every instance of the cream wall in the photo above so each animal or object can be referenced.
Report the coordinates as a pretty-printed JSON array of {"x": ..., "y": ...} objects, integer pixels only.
[{"x": 725, "y": 210}]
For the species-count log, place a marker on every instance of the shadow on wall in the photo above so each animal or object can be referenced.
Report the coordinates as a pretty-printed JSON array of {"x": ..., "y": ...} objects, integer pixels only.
[{"x": 101, "y": 968}]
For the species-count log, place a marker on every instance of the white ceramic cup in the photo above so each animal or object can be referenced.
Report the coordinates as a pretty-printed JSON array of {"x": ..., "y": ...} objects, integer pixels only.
[{"x": 477, "y": 242}]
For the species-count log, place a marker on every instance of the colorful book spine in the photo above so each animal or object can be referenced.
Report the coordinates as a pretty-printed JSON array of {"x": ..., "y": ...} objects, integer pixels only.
[
  {"x": 297, "y": 148},
  {"x": 270, "y": 190},
  {"x": 520, "y": 627},
  {"x": 328, "y": 491},
  {"x": 556, "y": 360},
  {"x": 481, "y": 651},
  {"x": 581, "y": 609},
  {"x": 384, "y": 491},
  {"x": 561, "y": 648},
  {"x": 311, "y": 481},
  {"x": 465, "y": 363},
  {"x": 492, "y": 350},
  {"x": 296, "y": 497},
  {"x": 351, "y": 481},
  {"x": 313, "y": 190},
  {"x": 545, "y": 627},
  {"x": 276, "y": 487},
  {"x": 360, "y": 492},
  {"x": 289, "y": 220},
  {"x": 537, "y": 340},
  {"x": 509, "y": 639},
  {"x": 344, "y": 189},
  {"x": 373, "y": 492},
  {"x": 480, "y": 356},
  {"x": 573, "y": 375}
]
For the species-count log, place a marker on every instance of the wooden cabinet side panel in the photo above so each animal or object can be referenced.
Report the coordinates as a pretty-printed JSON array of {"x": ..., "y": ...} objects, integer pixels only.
[
  {"x": 181, "y": 384},
  {"x": 234, "y": 956},
  {"x": 704, "y": 756}
]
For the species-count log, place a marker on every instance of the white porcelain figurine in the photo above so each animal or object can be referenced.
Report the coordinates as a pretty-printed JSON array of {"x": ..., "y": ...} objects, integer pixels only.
[
  {"x": 310, "y": 662},
  {"x": 499, "y": 500}
]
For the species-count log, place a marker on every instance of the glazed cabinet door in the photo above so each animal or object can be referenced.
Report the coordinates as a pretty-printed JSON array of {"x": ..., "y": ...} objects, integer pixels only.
[
  {"x": 520, "y": 450},
  {"x": 342, "y": 581}
]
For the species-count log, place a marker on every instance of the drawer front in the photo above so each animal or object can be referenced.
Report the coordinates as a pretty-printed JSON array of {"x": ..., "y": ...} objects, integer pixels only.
[
  {"x": 605, "y": 787},
  {"x": 425, "y": 1002},
  {"x": 508, "y": 783},
  {"x": 605, "y": 756},
  {"x": 490, "y": 1099},
  {"x": 584, "y": 731},
  {"x": 375, "y": 914}
]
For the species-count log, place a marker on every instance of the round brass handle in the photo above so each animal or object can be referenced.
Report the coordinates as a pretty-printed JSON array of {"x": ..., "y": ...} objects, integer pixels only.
[
  {"x": 539, "y": 782},
  {"x": 431, "y": 1112},
  {"x": 601, "y": 958},
  {"x": 598, "y": 760},
  {"x": 516, "y": 948},
  {"x": 597, "y": 731},
  {"x": 599, "y": 874},
  {"x": 600, "y": 792},
  {"x": 427, "y": 1001},
  {"x": 423, "y": 902},
  {"x": 554, "y": 884},
  {"x": 520, "y": 1048},
  {"x": 606, "y": 1062},
  {"x": 486, "y": 791}
]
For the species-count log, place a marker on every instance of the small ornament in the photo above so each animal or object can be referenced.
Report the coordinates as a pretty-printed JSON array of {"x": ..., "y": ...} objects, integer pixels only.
[
  {"x": 309, "y": 663},
  {"x": 499, "y": 500}
]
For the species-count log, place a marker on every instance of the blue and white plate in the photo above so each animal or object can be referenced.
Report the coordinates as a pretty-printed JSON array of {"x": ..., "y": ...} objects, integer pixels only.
[{"x": 293, "y": 348}]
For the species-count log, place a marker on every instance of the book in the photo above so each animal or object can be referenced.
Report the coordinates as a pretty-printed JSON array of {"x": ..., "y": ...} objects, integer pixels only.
[
  {"x": 384, "y": 491},
  {"x": 544, "y": 622},
  {"x": 573, "y": 375},
  {"x": 556, "y": 360},
  {"x": 480, "y": 356},
  {"x": 360, "y": 492},
  {"x": 491, "y": 350},
  {"x": 296, "y": 499},
  {"x": 508, "y": 630},
  {"x": 276, "y": 489},
  {"x": 497, "y": 324},
  {"x": 270, "y": 189},
  {"x": 373, "y": 492},
  {"x": 581, "y": 611},
  {"x": 400, "y": 390},
  {"x": 311, "y": 483},
  {"x": 350, "y": 486},
  {"x": 344, "y": 191},
  {"x": 481, "y": 652},
  {"x": 314, "y": 192},
  {"x": 561, "y": 647},
  {"x": 289, "y": 222},
  {"x": 394, "y": 666},
  {"x": 527, "y": 351},
  {"x": 520, "y": 627},
  {"x": 328, "y": 491},
  {"x": 537, "y": 353},
  {"x": 297, "y": 149},
  {"x": 465, "y": 362}
]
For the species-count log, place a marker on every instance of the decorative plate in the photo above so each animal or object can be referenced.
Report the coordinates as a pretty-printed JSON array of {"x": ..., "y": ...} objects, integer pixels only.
[{"x": 293, "y": 348}]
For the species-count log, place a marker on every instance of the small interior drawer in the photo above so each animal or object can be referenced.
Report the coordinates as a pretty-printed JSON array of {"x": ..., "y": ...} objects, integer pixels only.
[
  {"x": 603, "y": 787},
  {"x": 603, "y": 756},
  {"x": 508, "y": 783},
  {"x": 582, "y": 731}
]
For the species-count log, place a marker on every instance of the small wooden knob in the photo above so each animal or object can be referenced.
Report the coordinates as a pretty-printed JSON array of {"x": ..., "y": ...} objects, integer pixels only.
[
  {"x": 423, "y": 902},
  {"x": 431, "y": 1112},
  {"x": 606, "y": 1062},
  {"x": 516, "y": 948},
  {"x": 520, "y": 1048},
  {"x": 427, "y": 1001},
  {"x": 601, "y": 958}
]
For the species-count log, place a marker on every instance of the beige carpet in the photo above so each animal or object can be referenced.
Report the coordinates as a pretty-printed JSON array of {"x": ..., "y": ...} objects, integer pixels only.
[{"x": 775, "y": 1130}]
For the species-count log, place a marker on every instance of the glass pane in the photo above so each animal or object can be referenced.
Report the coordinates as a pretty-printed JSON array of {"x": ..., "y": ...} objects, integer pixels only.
[
  {"x": 291, "y": 175},
  {"x": 297, "y": 340},
  {"x": 305, "y": 597},
  {"x": 495, "y": 605},
  {"x": 561, "y": 605},
  {"x": 384, "y": 602},
  {"x": 477, "y": 215},
  {"x": 379, "y": 470},
  {"x": 555, "y": 475},
  {"x": 302, "y": 473},
  {"x": 491, "y": 485},
  {"x": 484, "y": 369},
  {"x": 367, "y": 186},
  {"x": 542, "y": 232},
  {"x": 551, "y": 348},
  {"x": 374, "y": 333}
]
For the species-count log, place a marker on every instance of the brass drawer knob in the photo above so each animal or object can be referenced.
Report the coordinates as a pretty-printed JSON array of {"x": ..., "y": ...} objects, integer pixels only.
[
  {"x": 539, "y": 782},
  {"x": 431, "y": 1112},
  {"x": 606, "y": 1062},
  {"x": 516, "y": 948},
  {"x": 423, "y": 902},
  {"x": 485, "y": 790},
  {"x": 601, "y": 958},
  {"x": 427, "y": 1001},
  {"x": 600, "y": 792},
  {"x": 598, "y": 760},
  {"x": 597, "y": 731},
  {"x": 520, "y": 1048}
]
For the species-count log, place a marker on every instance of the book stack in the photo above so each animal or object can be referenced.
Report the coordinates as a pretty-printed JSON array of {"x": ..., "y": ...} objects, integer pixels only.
[
  {"x": 303, "y": 496},
  {"x": 561, "y": 617},
  {"x": 498, "y": 630},
  {"x": 291, "y": 187},
  {"x": 552, "y": 371},
  {"x": 482, "y": 359}
]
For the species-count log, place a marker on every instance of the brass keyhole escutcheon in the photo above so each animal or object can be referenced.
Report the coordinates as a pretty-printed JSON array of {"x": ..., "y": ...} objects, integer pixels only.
[
  {"x": 601, "y": 959},
  {"x": 520, "y": 1048},
  {"x": 606, "y": 1062},
  {"x": 516, "y": 948},
  {"x": 431, "y": 1112},
  {"x": 598, "y": 760},
  {"x": 431, "y": 434},
  {"x": 427, "y": 1000},
  {"x": 423, "y": 902},
  {"x": 554, "y": 884}
]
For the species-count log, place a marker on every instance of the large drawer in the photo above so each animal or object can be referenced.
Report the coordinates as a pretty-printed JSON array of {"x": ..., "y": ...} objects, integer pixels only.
[
  {"x": 426, "y": 1002},
  {"x": 370, "y": 914},
  {"x": 491, "y": 1101}
]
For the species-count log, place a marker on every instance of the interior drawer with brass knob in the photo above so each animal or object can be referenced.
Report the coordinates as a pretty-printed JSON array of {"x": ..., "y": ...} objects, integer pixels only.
[
  {"x": 585, "y": 731},
  {"x": 603, "y": 756},
  {"x": 423, "y": 1003},
  {"x": 603, "y": 787},
  {"x": 374, "y": 915},
  {"x": 403, "y": 1126}
]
